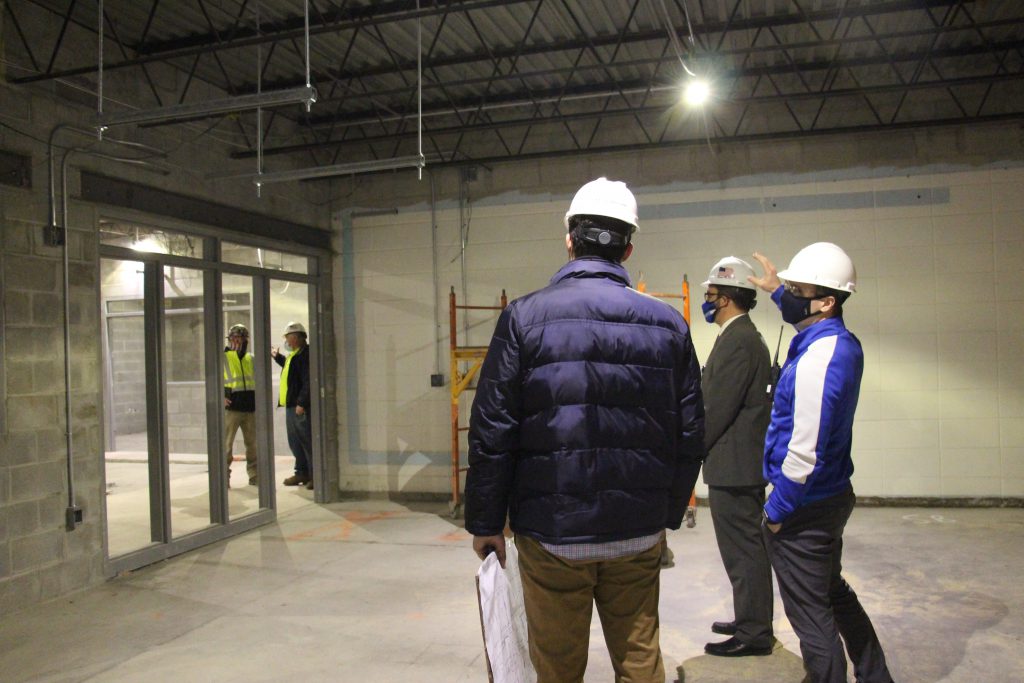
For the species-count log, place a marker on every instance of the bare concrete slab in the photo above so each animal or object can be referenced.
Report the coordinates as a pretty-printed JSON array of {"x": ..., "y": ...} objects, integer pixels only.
[{"x": 378, "y": 591}]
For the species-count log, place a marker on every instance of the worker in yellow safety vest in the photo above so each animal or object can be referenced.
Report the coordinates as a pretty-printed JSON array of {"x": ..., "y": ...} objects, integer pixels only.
[
  {"x": 294, "y": 397},
  {"x": 240, "y": 399}
]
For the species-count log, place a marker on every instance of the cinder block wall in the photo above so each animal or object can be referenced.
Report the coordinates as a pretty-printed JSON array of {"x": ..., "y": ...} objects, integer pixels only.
[
  {"x": 128, "y": 370},
  {"x": 39, "y": 559},
  {"x": 933, "y": 219}
]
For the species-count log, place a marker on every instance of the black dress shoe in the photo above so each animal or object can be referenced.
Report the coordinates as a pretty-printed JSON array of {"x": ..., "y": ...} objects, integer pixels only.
[
  {"x": 734, "y": 648},
  {"x": 726, "y": 628}
]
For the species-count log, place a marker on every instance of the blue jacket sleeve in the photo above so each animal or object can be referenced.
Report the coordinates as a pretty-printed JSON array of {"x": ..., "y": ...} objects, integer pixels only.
[
  {"x": 690, "y": 450},
  {"x": 494, "y": 432}
]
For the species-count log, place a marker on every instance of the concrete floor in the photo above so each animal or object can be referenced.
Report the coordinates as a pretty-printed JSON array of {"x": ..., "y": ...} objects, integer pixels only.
[
  {"x": 127, "y": 499},
  {"x": 378, "y": 591}
]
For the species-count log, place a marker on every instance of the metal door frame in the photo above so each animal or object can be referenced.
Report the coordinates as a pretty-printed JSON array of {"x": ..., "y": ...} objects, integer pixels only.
[{"x": 164, "y": 545}]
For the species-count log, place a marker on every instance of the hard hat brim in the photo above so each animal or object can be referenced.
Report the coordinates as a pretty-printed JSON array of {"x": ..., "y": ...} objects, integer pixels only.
[
  {"x": 807, "y": 279},
  {"x": 727, "y": 283}
]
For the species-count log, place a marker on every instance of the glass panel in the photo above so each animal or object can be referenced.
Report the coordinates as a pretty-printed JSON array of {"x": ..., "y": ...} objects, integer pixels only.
[
  {"x": 289, "y": 302},
  {"x": 185, "y": 377},
  {"x": 149, "y": 239},
  {"x": 240, "y": 418},
  {"x": 124, "y": 394},
  {"x": 257, "y": 257},
  {"x": 126, "y": 306}
]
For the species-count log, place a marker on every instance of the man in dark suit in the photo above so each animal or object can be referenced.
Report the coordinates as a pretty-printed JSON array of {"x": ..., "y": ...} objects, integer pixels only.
[{"x": 737, "y": 406}]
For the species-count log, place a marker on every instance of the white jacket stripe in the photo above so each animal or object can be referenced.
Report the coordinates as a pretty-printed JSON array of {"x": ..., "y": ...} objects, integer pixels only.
[{"x": 808, "y": 390}]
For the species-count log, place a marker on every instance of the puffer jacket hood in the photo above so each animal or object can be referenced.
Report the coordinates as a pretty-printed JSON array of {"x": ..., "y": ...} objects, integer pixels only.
[{"x": 588, "y": 419}]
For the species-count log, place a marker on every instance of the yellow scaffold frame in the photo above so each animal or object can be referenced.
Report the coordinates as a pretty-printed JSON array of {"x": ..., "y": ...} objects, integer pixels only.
[
  {"x": 641, "y": 286},
  {"x": 460, "y": 382}
]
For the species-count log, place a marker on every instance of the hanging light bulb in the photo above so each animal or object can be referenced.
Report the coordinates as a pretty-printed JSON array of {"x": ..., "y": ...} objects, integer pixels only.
[{"x": 696, "y": 92}]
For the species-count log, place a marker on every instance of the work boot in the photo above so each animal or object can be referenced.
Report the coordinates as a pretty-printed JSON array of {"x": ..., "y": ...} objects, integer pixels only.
[{"x": 297, "y": 480}]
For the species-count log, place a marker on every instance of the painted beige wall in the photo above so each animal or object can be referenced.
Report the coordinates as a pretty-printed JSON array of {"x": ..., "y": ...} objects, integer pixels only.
[{"x": 938, "y": 310}]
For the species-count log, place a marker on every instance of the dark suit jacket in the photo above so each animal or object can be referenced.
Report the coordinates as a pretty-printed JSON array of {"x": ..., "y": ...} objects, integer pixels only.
[{"x": 737, "y": 406}]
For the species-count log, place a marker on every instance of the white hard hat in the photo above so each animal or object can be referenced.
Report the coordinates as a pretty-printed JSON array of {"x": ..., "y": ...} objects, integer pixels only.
[
  {"x": 238, "y": 329},
  {"x": 822, "y": 263},
  {"x": 603, "y": 197},
  {"x": 730, "y": 272},
  {"x": 294, "y": 327}
]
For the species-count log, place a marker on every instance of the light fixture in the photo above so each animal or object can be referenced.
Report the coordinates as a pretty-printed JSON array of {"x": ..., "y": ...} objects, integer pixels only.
[
  {"x": 275, "y": 98},
  {"x": 147, "y": 244},
  {"x": 696, "y": 92}
]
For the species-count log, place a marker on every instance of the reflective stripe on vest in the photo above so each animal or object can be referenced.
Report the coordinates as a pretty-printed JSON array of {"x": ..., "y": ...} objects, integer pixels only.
[
  {"x": 239, "y": 372},
  {"x": 284, "y": 378}
]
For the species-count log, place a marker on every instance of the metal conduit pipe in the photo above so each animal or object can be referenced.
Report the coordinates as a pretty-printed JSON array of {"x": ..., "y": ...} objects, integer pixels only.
[
  {"x": 73, "y": 513},
  {"x": 463, "y": 239},
  {"x": 437, "y": 275},
  {"x": 87, "y": 132}
]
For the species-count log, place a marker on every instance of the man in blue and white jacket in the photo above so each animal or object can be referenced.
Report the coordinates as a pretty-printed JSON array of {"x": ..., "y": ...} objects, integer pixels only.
[{"x": 807, "y": 461}]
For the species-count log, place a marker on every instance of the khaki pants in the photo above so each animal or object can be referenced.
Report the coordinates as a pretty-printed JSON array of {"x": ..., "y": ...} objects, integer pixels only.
[
  {"x": 560, "y": 595},
  {"x": 233, "y": 419}
]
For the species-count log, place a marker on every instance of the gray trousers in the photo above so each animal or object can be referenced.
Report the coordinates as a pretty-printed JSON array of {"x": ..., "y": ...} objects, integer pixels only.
[
  {"x": 807, "y": 555},
  {"x": 736, "y": 513}
]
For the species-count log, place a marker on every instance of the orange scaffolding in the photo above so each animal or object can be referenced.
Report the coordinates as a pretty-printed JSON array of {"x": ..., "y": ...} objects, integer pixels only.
[
  {"x": 641, "y": 286},
  {"x": 460, "y": 382}
]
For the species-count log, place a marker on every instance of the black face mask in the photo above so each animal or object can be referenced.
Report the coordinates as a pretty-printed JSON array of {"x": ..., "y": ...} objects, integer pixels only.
[{"x": 796, "y": 309}]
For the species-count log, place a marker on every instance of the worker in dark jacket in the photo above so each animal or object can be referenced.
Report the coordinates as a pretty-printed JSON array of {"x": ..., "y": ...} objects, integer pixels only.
[
  {"x": 737, "y": 405},
  {"x": 587, "y": 432},
  {"x": 294, "y": 398}
]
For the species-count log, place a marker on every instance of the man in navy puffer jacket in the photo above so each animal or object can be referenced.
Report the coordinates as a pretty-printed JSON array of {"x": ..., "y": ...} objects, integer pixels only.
[{"x": 587, "y": 432}]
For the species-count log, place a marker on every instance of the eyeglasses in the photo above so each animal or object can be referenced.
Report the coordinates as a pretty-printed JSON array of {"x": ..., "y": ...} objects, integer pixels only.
[
  {"x": 711, "y": 296},
  {"x": 795, "y": 291}
]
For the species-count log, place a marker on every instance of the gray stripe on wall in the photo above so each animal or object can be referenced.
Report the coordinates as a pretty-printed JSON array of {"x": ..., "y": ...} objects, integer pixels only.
[{"x": 838, "y": 201}]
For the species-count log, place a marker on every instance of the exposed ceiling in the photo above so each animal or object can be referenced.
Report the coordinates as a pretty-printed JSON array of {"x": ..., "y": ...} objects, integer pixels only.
[{"x": 505, "y": 79}]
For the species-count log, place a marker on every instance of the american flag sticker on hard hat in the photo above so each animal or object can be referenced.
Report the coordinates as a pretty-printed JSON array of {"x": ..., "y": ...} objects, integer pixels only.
[{"x": 725, "y": 271}]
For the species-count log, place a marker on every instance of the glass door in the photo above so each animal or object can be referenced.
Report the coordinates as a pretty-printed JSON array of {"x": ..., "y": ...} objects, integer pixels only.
[
  {"x": 184, "y": 374},
  {"x": 244, "y": 348},
  {"x": 126, "y": 437},
  {"x": 293, "y": 425},
  {"x": 192, "y": 432}
]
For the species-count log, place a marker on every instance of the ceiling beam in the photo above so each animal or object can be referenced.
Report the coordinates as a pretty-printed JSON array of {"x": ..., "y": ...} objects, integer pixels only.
[
  {"x": 392, "y": 11},
  {"x": 494, "y": 53},
  {"x": 520, "y": 99},
  {"x": 643, "y": 109},
  {"x": 433, "y": 162},
  {"x": 344, "y": 19}
]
